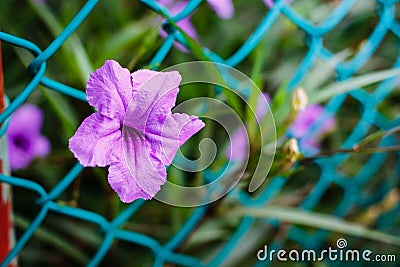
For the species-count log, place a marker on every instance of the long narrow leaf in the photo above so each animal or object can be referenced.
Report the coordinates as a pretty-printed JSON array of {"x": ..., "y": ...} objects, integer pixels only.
[
  {"x": 75, "y": 53},
  {"x": 318, "y": 220},
  {"x": 351, "y": 84},
  {"x": 54, "y": 240}
]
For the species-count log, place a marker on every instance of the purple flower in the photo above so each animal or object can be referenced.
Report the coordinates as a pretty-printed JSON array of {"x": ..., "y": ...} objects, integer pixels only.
[
  {"x": 238, "y": 148},
  {"x": 223, "y": 8},
  {"x": 270, "y": 3},
  {"x": 185, "y": 24},
  {"x": 304, "y": 120},
  {"x": 25, "y": 141},
  {"x": 134, "y": 130}
]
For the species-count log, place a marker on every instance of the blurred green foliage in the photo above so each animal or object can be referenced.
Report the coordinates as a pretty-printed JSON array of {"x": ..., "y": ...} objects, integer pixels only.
[{"x": 127, "y": 31}]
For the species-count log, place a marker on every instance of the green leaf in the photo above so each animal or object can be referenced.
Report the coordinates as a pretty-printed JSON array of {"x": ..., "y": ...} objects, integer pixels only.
[
  {"x": 372, "y": 137},
  {"x": 317, "y": 220},
  {"x": 73, "y": 50},
  {"x": 322, "y": 72},
  {"x": 281, "y": 109},
  {"x": 252, "y": 101},
  {"x": 351, "y": 84},
  {"x": 62, "y": 109},
  {"x": 280, "y": 102},
  {"x": 146, "y": 46},
  {"x": 125, "y": 38},
  {"x": 54, "y": 240},
  {"x": 196, "y": 49}
]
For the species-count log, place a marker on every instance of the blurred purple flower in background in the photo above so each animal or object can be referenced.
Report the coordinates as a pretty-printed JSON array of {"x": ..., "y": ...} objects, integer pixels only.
[
  {"x": 223, "y": 8},
  {"x": 185, "y": 24},
  {"x": 134, "y": 116},
  {"x": 304, "y": 120},
  {"x": 25, "y": 142},
  {"x": 271, "y": 3},
  {"x": 237, "y": 149}
]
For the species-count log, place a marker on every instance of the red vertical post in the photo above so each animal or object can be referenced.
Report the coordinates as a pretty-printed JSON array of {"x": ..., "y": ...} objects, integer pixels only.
[{"x": 6, "y": 215}]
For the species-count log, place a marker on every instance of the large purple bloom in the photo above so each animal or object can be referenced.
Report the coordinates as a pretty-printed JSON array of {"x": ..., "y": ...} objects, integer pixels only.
[
  {"x": 25, "y": 142},
  {"x": 304, "y": 120},
  {"x": 134, "y": 130}
]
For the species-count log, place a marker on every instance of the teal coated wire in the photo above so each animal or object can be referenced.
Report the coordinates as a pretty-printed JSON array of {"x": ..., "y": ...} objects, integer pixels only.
[
  {"x": 25, "y": 237},
  {"x": 256, "y": 36},
  {"x": 102, "y": 250},
  {"x": 243, "y": 227},
  {"x": 167, "y": 253},
  {"x": 64, "y": 35},
  {"x": 63, "y": 184},
  {"x": 19, "y": 182},
  {"x": 17, "y": 102},
  {"x": 63, "y": 89},
  {"x": 187, "y": 228},
  {"x": 188, "y": 10}
]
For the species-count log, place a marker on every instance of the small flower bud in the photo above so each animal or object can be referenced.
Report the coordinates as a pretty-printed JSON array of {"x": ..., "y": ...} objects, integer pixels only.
[
  {"x": 291, "y": 149},
  {"x": 299, "y": 100},
  {"x": 391, "y": 200}
]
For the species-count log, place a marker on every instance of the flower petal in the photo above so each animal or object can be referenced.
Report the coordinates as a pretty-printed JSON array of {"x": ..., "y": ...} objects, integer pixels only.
[
  {"x": 122, "y": 182},
  {"x": 187, "y": 125},
  {"x": 18, "y": 158},
  {"x": 185, "y": 24},
  {"x": 269, "y": 3},
  {"x": 146, "y": 171},
  {"x": 304, "y": 120},
  {"x": 109, "y": 89},
  {"x": 155, "y": 96},
  {"x": 97, "y": 141},
  {"x": 166, "y": 3},
  {"x": 239, "y": 146},
  {"x": 307, "y": 117},
  {"x": 141, "y": 76},
  {"x": 310, "y": 146},
  {"x": 26, "y": 120},
  {"x": 41, "y": 147},
  {"x": 223, "y": 8},
  {"x": 150, "y": 108},
  {"x": 25, "y": 141},
  {"x": 262, "y": 106},
  {"x": 173, "y": 133}
]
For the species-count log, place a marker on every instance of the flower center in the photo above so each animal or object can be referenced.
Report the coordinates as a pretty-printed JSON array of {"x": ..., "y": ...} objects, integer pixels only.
[{"x": 21, "y": 142}]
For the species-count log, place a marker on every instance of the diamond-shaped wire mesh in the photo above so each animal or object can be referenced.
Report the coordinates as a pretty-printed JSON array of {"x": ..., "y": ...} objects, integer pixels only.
[{"x": 352, "y": 186}]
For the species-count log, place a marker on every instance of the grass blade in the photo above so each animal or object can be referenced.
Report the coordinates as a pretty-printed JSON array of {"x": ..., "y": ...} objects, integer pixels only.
[
  {"x": 318, "y": 220},
  {"x": 351, "y": 84}
]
